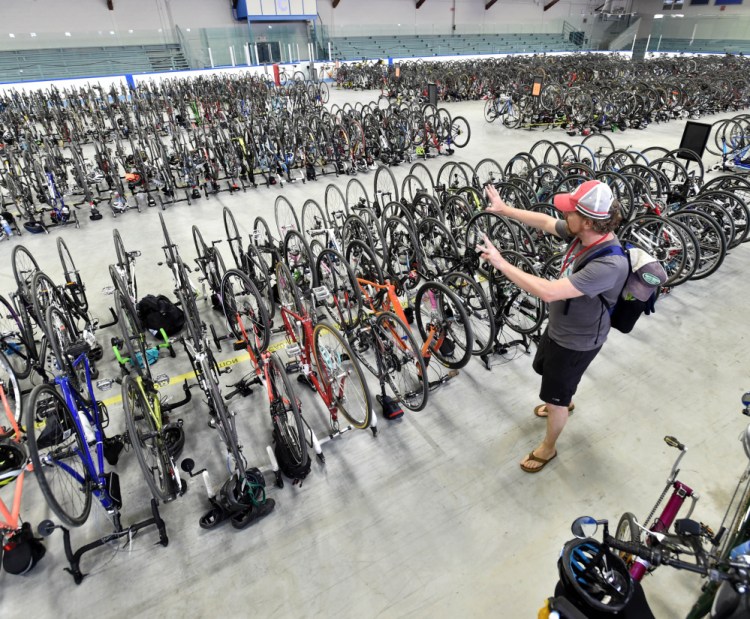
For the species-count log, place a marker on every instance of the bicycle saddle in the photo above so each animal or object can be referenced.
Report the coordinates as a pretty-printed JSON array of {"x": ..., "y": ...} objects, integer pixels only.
[{"x": 77, "y": 348}]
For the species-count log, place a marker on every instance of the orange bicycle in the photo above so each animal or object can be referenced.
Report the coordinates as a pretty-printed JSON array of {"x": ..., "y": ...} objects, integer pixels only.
[{"x": 19, "y": 548}]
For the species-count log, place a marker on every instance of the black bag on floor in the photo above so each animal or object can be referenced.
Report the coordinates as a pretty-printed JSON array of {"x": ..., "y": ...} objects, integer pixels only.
[
  {"x": 22, "y": 551},
  {"x": 158, "y": 312}
]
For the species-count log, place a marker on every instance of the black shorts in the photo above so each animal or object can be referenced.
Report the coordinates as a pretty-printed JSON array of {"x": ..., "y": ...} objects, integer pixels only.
[{"x": 561, "y": 370}]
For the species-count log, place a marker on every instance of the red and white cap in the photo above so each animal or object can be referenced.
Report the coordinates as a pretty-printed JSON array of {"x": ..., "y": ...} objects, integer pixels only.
[{"x": 592, "y": 199}]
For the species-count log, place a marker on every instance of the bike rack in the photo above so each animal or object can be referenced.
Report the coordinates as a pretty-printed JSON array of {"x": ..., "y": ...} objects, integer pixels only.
[{"x": 46, "y": 527}]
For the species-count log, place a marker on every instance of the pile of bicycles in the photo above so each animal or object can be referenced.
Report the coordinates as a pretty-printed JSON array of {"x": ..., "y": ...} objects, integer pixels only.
[
  {"x": 575, "y": 92},
  {"x": 182, "y": 140}
]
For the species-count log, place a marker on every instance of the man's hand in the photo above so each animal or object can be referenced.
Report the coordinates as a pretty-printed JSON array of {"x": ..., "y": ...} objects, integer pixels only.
[
  {"x": 489, "y": 253},
  {"x": 496, "y": 204}
]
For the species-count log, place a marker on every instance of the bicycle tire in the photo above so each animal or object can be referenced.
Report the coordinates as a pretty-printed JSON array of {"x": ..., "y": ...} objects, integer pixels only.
[
  {"x": 341, "y": 376},
  {"x": 234, "y": 238},
  {"x": 313, "y": 220},
  {"x": 460, "y": 131},
  {"x": 405, "y": 369},
  {"x": 478, "y": 308},
  {"x": 124, "y": 266},
  {"x": 628, "y": 531},
  {"x": 74, "y": 289},
  {"x": 47, "y": 408},
  {"x": 132, "y": 334},
  {"x": 13, "y": 340},
  {"x": 285, "y": 216},
  {"x": 147, "y": 440},
  {"x": 240, "y": 298},
  {"x": 44, "y": 293},
  {"x": 345, "y": 301},
  {"x": 258, "y": 271},
  {"x": 443, "y": 306},
  {"x": 288, "y": 421},
  {"x": 289, "y": 298},
  {"x": 384, "y": 184},
  {"x": 335, "y": 206},
  {"x": 24, "y": 266},
  {"x": 521, "y": 311}
]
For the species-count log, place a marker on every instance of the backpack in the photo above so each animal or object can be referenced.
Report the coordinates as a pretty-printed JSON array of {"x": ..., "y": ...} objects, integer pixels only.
[
  {"x": 158, "y": 312},
  {"x": 641, "y": 288}
]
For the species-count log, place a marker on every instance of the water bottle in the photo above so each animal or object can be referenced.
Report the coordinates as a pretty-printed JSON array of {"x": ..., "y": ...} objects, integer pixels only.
[
  {"x": 739, "y": 551},
  {"x": 6, "y": 227}
]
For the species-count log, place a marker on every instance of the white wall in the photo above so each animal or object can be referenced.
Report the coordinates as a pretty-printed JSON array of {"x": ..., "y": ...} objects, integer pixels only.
[
  {"x": 385, "y": 12},
  {"x": 26, "y": 16}
]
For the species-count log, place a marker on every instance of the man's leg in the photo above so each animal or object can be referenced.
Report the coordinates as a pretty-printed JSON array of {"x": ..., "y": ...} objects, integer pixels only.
[{"x": 557, "y": 417}]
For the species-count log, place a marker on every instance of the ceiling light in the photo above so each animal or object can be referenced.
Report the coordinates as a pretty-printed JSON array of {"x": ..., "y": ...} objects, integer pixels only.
[
  {"x": 11, "y": 35},
  {"x": 67, "y": 34},
  {"x": 33, "y": 34}
]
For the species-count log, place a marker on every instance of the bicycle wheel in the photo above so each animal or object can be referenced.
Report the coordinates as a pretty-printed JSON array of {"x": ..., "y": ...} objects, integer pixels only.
[
  {"x": 258, "y": 271},
  {"x": 11, "y": 396},
  {"x": 478, "y": 308},
  {"x": 438, "y": 249},
  {"x": 132, "y": 334},
  {"x": 298, "y": 256},
  {"x": 385, "y": 186},
  {"x": 24, "y": 266},
  {"x": 124, "y": 266},
  {"x": 289, "y": 298},
  {"x": 313, "y": 220},
  {"x": 336, "y": 208},
  {"x": 341, "y": 376},
  {"x": 74, "y": 290},
  {"x": 286, "y": 217},
  {"x": 245, "y": 310},
  {"x": 147, "y": 440},
  {"x": 460, "y": 132},
  {"x": 55, "y": 444},
  {"x": 442, "y": 320},
  {"x": 13, "y": 341},
  {"x": 521, "y": 311},
  {"x": 169, "y": 247},
  {"x": 403, "y": 364},
  {"x": 345, "y": 301},
  {"x": 663, "y": 239},
  {"x": 234, "y": 239},
  {"x": 44, "y": 293},
  {"x": 286, "y": 415},
  {"x": 627, "y": 531},
  {"x": 235, "y": 460}
]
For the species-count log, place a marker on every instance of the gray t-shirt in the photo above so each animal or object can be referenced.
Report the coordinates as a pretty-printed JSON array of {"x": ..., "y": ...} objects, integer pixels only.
[{"x": 585, "y": 324}]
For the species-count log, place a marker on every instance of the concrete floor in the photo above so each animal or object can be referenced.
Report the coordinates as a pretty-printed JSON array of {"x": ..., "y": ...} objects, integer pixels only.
[{"x": 434, "y": 516}]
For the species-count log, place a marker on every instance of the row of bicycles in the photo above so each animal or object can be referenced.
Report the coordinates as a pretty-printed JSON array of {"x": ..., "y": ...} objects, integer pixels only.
[
  {"x": 182, "y": 140},
  {"x": 372, "y": 296},
  {"x": 576, "y": 92}
]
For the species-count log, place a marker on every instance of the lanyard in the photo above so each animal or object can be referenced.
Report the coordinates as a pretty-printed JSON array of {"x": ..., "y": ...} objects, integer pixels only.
[{"x": 568, "y": 260}]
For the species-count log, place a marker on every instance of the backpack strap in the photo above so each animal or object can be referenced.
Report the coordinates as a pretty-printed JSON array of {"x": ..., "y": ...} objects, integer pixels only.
[{"x": 611, "y": 250}]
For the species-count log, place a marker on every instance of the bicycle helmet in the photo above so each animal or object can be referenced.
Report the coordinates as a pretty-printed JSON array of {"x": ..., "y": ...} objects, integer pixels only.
[{"x": 594, "y": 577}]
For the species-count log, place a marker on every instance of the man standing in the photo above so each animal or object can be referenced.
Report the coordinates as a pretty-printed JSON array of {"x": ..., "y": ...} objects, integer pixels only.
[{"x": 578, "y": 319}]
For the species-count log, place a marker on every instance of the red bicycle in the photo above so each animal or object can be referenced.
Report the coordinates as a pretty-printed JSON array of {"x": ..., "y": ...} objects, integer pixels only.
[{"x": 324, "y": 358}]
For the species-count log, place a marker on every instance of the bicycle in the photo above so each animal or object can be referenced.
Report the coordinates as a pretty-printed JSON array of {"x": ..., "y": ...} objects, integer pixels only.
[
  {"x": 628, "y": 529},
  {"x": 338, "y": 380},
  {"x": 14, "y": 464},
  {"x": 250, "y": 326},
  {"x": 242, "y": 497},
  {"x": 157, "y": 442}
]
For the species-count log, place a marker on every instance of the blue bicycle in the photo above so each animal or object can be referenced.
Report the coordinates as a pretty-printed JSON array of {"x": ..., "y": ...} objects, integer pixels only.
[{"x": 65, "y": 421}]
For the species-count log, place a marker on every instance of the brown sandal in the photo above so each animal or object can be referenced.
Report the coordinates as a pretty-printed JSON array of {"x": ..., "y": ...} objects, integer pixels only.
[
  {"x": 541, "y": 410},
  {"x": 542, "y": 461}
]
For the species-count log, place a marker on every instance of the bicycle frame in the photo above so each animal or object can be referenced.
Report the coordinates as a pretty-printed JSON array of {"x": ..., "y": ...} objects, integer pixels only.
[
  {"x": 9, "y": 522},
  {"x": 324, "y": 391},
  {"x": 77, "y": 405},
  {"x": 664, "y": 521},
  {"x": 392, "y": 303}
]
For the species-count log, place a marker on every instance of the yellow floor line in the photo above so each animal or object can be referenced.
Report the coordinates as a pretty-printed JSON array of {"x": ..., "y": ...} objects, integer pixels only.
[{"x": 116, "y": 399}]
